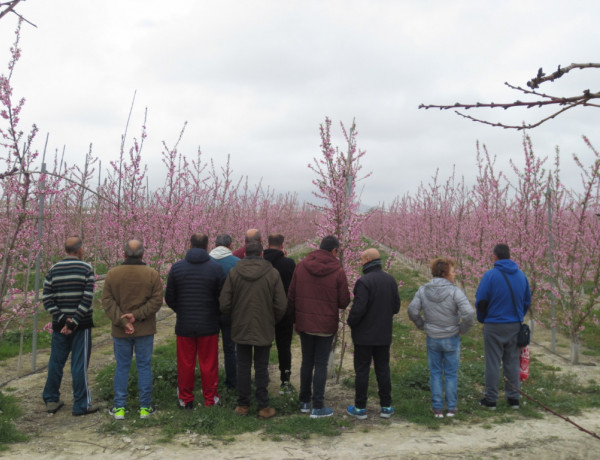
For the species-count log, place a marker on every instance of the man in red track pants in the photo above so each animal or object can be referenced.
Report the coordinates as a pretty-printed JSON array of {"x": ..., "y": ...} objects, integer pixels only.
[{"x": 193, "y": 289}]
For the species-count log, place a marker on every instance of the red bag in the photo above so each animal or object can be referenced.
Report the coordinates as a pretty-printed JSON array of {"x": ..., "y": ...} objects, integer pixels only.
[{"x": 524, "y": 373}]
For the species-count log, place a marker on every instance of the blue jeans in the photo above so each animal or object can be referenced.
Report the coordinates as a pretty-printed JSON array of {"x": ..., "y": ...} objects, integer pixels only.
[
  {"x": 79, "y": 345},
  {"x": 443, "y": 356},
  {"x": 124, "y": 348},
  {"x": 315, "y": 356}
]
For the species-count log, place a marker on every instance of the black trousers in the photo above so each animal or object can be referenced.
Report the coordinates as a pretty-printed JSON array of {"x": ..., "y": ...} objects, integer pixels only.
[
  {"x": 261, "y": 374},
  {"x": 380, "y": 355},
  {"x": 284, "y": 331}
]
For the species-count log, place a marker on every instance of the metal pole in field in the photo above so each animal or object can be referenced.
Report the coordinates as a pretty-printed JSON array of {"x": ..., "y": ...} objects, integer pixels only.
[
  {"x": 551, "y": 262},
  {"x": 38, "y": 261}
]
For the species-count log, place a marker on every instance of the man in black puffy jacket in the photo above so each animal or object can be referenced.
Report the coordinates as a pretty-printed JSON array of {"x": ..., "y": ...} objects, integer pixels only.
[
  {"x": 376, "y": 301},
  {"x": 193, "y": 289}
]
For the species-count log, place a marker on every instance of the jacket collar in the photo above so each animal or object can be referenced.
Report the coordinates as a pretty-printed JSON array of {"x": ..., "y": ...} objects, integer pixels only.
[
  {"x": 133, "y": 261},
  {"x": 372, "y": 266}
]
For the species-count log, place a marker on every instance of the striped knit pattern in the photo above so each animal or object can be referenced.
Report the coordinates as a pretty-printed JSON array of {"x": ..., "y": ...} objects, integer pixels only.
[{"x": 69, "y": 291}]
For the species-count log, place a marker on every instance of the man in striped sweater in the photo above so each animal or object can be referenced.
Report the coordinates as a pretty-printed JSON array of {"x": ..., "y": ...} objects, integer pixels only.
[{"x": 68, "y": 295}]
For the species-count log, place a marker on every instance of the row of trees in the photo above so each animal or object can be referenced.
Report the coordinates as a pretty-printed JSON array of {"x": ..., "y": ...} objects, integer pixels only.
[
  {"x": 449, "y": 218},
  {"x": 108, "y": 204}
]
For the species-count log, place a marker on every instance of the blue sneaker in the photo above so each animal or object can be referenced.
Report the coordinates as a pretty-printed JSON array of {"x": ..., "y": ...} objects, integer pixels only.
[
  {"x": 304, "y": 407},
  {"x": 360, "y": 414},
  {"x": 386, "y": 412},
  {"x": 322, "y": 412}
]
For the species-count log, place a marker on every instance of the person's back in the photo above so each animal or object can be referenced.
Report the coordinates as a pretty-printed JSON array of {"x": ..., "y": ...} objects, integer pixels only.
[
  {"x": 319, "y": 288},
  {"x": 495, "y": 292},
  {"x": 250, "y": 289},
  {"x": 371, "y": 322},
  {"x": 446, "y": 309},
  {"x": 193, "y": 288},
  {"x": 131, "y": 285},
  {"x": 254, "y": 297},
  {"x": 68, "y": 293},
  {"x": 67, "y": 296},
  {"x": 502, "y": 300},
  {"x": 284, "y": 329}
]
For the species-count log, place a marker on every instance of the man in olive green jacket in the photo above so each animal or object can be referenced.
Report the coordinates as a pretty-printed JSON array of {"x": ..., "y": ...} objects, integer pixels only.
[
  {"x": 254, "y": 297},
  {"x": 131, "y": 297}
]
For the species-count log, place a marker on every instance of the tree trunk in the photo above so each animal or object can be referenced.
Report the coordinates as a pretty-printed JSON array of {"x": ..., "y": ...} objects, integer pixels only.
[{"x": 575, "y": 347}]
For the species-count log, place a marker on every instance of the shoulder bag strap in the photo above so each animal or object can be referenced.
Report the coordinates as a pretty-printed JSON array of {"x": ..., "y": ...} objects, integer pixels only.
[{"x": 512, "y": 294}]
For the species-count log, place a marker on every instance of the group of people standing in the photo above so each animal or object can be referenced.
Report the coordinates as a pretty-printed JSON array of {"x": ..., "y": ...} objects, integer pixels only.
[
  {"x": 443, "y": 311},
  {"x": 256, "y": 296}
]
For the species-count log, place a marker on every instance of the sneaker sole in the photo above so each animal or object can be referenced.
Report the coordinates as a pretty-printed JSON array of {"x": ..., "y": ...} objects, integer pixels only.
[
  {"x": 320, "y": 416},
  {"x": 382, "y": 415},
  {"x": 359, "y": 417}
]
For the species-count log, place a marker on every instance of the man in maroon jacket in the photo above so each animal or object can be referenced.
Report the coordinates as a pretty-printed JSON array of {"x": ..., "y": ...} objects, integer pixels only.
[{"x": 319, "y": 289}]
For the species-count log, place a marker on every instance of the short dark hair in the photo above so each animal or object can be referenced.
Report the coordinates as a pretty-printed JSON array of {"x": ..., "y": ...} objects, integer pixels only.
[
  {"x": 254, "y": 248},
  {"x": 223, "y": 240},
  {"x": 276, "y": 240},
  {"x": 502, "y": 251},
  {"x": 329, "y": 243},
  {"x": 199, "y": 240},
  {"x": 440, "y": 267},
  {"x": 73, "y": 247},
  {"x": 133, "y": 250}
]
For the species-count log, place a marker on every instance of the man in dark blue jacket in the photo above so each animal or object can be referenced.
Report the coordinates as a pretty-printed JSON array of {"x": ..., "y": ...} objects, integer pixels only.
[
  {"x": 376, "y": 301},
  {"x": 193, "y": 289},
  {"x": 502, "y": 312}
]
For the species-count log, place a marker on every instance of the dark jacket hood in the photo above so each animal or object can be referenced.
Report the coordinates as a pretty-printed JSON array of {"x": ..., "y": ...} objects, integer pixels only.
[
  {"x": 321, "y": 263},
  {"x": 251, "y": 269},
  {"x": 507, "y": 266},
  {"x": 273, "y": 255},
  {"x": 197, "y": 256}
]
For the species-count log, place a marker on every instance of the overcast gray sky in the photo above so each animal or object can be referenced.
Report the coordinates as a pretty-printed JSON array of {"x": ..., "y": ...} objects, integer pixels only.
[{"x": 254, "y": 79}]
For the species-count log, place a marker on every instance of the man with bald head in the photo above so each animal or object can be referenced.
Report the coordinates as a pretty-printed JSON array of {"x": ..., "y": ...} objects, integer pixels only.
[
  {"x": 68, "y": 295},
  {"x": 193, "y": 289},
  {"x": 376, "y": 301},
  {"x": 131, "y": 298},
  {"x": 252, "y": 234}
]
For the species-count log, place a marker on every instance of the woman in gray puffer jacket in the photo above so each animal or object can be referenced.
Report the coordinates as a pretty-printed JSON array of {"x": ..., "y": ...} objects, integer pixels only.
[{"x": 447, "y": 314}]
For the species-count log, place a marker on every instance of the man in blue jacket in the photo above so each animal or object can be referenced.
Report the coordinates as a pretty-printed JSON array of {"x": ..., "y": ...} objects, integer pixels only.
[
  {"x": 193, "y": 289},
  {"x": 223, "y": 255},
  {"x": 502, "y": 312}
]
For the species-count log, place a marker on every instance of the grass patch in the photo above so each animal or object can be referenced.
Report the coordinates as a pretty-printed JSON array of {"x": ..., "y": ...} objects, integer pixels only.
[
  {"x": 9, "y": 345},
  {"x": 219, "y": 421},
  {"x": 9, "y": 411}
]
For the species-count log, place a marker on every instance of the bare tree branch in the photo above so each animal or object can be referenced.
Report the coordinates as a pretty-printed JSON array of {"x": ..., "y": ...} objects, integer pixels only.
[
  {"x": 542, "y": 78},
  {"x": 9, "y": 7},
  {"x": 544, "y": 100}
]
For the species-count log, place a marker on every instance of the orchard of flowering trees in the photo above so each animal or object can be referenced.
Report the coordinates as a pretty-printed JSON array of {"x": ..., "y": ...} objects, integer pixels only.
[
  {"x": 446, "y": 217},
  {"x": 108, "y": 204}
]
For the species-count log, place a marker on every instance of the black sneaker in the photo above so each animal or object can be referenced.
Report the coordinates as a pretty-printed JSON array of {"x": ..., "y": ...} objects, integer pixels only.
[
  {"x": 186, "y": 406},
  {"x": 491, "y": 405},
  {"x": 513, "y": 403}
]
